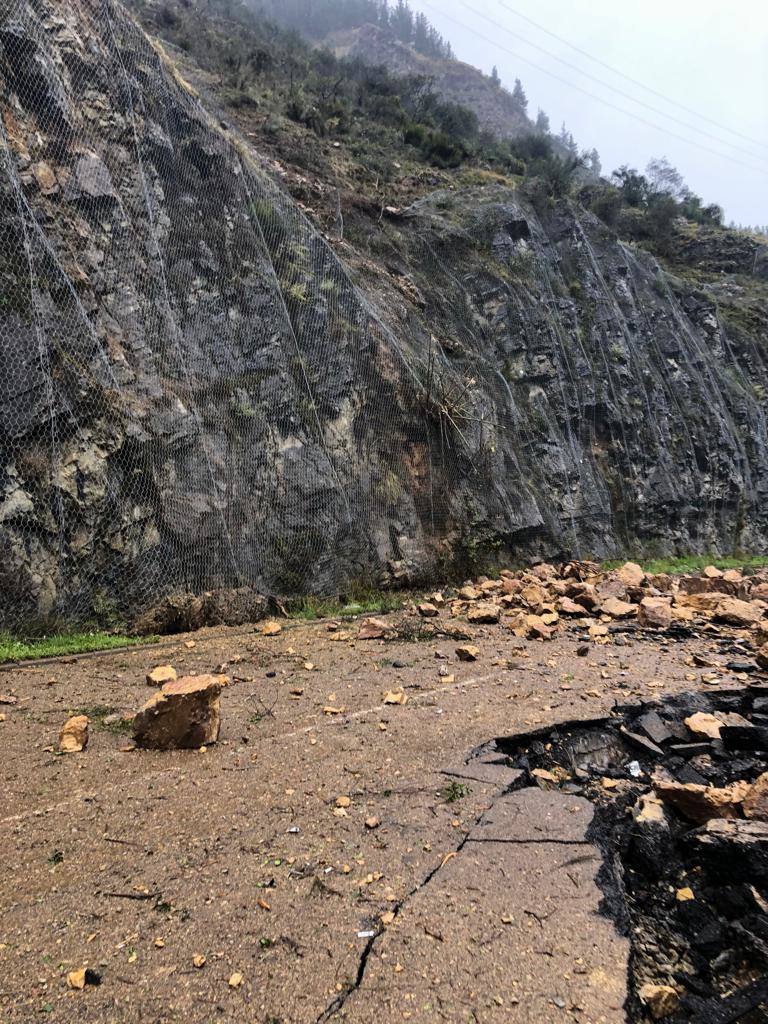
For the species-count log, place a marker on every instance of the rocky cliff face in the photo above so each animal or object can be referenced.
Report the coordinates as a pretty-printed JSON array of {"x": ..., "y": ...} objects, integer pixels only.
[
  {"x": 197, "y": 391},
  {"x": 629, "y": 413},
  {"x": 454, "y": 81}
]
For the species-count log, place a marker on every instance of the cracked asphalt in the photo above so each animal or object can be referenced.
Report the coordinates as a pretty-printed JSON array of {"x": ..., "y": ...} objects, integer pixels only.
[{"x": 431, "y": 891}]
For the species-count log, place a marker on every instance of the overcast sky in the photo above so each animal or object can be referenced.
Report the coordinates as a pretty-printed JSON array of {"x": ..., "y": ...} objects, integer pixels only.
[{"x": 710, "y": 56}]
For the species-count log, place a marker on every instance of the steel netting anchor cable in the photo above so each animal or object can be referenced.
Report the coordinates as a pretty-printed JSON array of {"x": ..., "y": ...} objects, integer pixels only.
[
  {"x": 289, "y": 322},
  {"x": 106, "y": 7}
]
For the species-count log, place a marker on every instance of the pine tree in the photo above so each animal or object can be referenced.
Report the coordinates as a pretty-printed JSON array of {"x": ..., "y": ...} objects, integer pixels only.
[
  {"x": 566, "y": 139},
  {"x": 542, "y": 123},
  {"x": 401, "y": 20},
  {"x": 495, "y": 77},
  {"x": 422, "y": 40},
  {"x": 518, "y": 95}
]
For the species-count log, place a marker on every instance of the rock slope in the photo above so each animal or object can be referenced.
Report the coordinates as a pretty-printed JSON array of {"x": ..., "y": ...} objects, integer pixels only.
[{"x": 197, "y": 392}]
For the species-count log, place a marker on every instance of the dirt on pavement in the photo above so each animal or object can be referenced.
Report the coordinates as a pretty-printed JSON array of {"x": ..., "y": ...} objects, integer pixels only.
[{"x": 333, "y": 857}]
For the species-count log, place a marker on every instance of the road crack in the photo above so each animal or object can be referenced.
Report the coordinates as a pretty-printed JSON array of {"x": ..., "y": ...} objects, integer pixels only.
[
  {"x": 337, "y": 1005},
  {"x": 531, "y": 842}
]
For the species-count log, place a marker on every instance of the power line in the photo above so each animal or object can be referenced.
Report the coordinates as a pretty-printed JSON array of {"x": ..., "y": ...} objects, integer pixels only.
[
  {"x": 628, "y": 78},
  {"x": 615, "y": 89},
  {"x": 594, "y": 96}
]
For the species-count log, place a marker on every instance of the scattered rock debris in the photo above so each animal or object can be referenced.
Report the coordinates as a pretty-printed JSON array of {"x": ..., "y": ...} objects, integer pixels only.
[
  {"x": 537, "y": 603},
  {"x": 679, "y": 787}
]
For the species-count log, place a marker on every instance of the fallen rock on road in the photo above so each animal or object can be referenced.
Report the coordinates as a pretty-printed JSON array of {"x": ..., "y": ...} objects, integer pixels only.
[
  {"x": 73, "y": 737},
  {"x": 185, "y": 714}
]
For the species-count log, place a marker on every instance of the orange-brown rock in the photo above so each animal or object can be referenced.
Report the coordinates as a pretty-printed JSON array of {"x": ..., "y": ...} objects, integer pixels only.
[
  {"x": 611, "y": 586},
  {"x": 566, "y": 606},
  {"x": 661, "y": 1000},
  {"x": 700, "y": 804},
  {"x": 618, "y": 609},
  {"x": 631, "y": 574},
  {"x": 518, "y": 623},
  {"x": 483, "y": 612},
  {"x": 538, "y": 629},
  {"x": 738, "y": 613},
  {"x": 705, "y": 604},
  {"x": 704, "y": 726},
  {"x": 45, "y": 176},
  {"x": 373, "y": 629},
  {"x": 655, "y": 613},
  {"x": 683, "y": 614},
  {"x": 468, "y": 652},
  {"x": 185, "y": 714},
  {"x": 534, "y": 596},
  {"x": 583, "y": 593},
  {"x": 161, "y": 675},
  {"x": 755, "y": 803},
  {"x": 73, "y": 737},
  {"x": 711, "y": 585},
  {"x": 544, "y": 571}
]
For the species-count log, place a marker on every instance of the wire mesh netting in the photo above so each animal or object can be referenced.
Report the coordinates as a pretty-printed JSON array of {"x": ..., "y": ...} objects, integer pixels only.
[
  {"x": 195, "y": 395},
  {"x": 182, "y": 353}
]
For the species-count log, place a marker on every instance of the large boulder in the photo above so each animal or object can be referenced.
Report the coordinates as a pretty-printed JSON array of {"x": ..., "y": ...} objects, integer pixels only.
[
  {"x": 655, "y": 613},
  {"x": 184, "y": 714},
  {"x": 618, "y": 609},
  {"x": 719, "y": 584},
  {"x": 484, "y": 612},
  {"x": 729, "y": 610},
  {"x": 738, "y": 613},
  {"x": 631, "y": 574}
]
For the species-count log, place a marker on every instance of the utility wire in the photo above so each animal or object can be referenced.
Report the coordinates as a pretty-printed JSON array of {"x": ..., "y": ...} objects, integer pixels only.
[
  {"x": 628, "y": 78},
  {"x": 594, "y": 96},
  {"x": 615, "y": 89}
]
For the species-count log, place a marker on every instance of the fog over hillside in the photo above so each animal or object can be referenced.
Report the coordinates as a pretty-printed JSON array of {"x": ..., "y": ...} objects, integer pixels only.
[{"x": 709, "y": 57}]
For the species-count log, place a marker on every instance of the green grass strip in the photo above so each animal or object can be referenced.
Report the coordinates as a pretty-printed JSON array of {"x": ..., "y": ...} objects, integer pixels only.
[
  {"x": 310, "y": 608},
  {"x": 694, "y": 563},
  {"x": 63, "y": 644}
]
